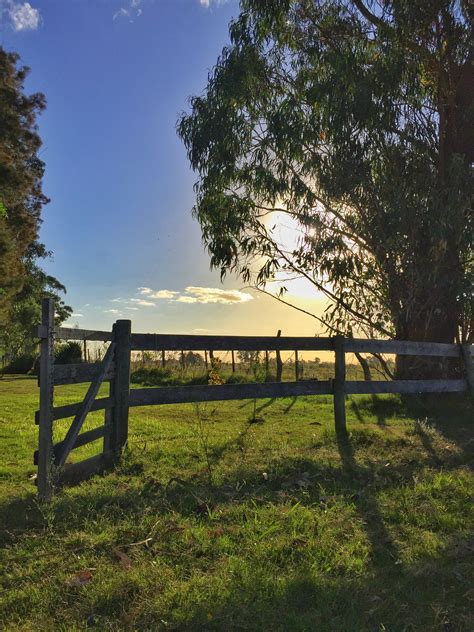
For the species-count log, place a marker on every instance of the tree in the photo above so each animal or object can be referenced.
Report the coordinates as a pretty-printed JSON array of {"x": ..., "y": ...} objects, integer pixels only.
[
  {"x": 18, "y": 336},
  {"x": 354, "y": 118},
  {"x": 21, "y": 172}
]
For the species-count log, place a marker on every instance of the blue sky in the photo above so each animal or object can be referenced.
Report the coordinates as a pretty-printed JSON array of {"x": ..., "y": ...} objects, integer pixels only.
[{"x": 116, "y": 75}]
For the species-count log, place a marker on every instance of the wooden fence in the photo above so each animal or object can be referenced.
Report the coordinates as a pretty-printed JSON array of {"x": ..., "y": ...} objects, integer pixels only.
[{"x": 51, "y": 459}]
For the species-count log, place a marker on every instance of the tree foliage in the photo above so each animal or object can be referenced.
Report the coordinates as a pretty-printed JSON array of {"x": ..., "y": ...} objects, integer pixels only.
[
  {"x": 21, "y": 172},
  {"x": 22, "y": 282},
  {"x": 18, "y": 336},
  {"x": 355, "y": 118}
]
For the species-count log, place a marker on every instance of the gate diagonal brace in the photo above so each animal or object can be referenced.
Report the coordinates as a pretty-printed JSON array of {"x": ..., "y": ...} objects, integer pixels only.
[{"x": 73, "y": 432}]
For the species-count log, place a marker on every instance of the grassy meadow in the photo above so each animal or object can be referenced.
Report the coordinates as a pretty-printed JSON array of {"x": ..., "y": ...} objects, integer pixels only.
[{"x": 245, "y": 516}]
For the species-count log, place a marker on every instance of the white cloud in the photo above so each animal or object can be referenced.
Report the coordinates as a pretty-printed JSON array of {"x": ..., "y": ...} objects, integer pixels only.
[
  {"x": 23, "y": 16},
  {"x": 140, "y": 301},
  {"x": 133, "y": 309},
  {"x": 163, "y": 294},
  {"x": 148, "y": 292},
  {"x": 76, "y": 315},
  {"x": 207, "y": 3},
  {"x": 112, "y": 311},
  {"x": 215, "y": 295},
  {"x": 121, "y": 13},
  {"x": 187, "y": 299},
  {"x": 130, "y": 11},
  {"x": 194, "y": 294}
]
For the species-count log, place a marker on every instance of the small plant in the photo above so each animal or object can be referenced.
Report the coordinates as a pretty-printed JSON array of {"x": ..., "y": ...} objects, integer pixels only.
[
  {"x": 422, "y": 428},
  {"x": 214, "y": 376}
]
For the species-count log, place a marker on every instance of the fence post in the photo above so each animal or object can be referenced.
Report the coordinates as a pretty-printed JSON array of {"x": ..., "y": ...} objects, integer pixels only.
[
  {"x": 469, "y": 364},
  {"x": 122, "y": 333},
  {"x": 339, "y": 385},
  {"x": 297, "y": 366},
  {"x": 279, "y": 363},
  {"x": 45, "y": 435}
]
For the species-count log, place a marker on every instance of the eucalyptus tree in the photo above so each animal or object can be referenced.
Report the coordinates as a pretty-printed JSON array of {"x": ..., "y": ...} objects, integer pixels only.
[{"x": 355, "y": 118}]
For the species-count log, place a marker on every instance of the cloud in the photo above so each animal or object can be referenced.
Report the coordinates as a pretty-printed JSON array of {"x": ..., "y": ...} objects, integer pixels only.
[
  {"x": 159, "y": 294},
  {"x": 130, "y": 11},
  {"x": 207, "y": 3},
  {"x": 193, "y": 294},
  {"x": 215, "y": 295},
  {"x": 140, "y": 301},
  {"x": 76, "y": 315},
  {"x": 112, "y": 311},
  {"x": 23, "y": 16}
]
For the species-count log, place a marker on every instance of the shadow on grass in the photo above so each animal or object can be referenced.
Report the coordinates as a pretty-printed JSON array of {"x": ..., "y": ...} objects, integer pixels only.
[
  {"x": 389, "y": 595},
  {"x": 421, "y": 598}
]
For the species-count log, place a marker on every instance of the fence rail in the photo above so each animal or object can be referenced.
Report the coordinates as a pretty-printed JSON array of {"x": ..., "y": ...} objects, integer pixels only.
[{"x": 51, "y": 459}]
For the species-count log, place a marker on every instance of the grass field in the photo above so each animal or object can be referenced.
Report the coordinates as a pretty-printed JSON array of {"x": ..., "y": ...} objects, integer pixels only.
[{"x": 231, "y": 517}]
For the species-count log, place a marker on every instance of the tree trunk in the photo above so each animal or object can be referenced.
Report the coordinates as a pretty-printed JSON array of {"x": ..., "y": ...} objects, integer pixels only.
[{"x": 438, "y": 324}]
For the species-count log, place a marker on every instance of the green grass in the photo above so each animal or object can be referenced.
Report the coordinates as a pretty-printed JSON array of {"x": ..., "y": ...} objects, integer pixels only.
[{"x": 231, "y": 525}]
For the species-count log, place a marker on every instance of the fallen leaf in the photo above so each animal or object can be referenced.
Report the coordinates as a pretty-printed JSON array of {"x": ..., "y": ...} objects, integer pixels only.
[
  {"x": 81, "y": 578},
  {"x": 124, "y": 560}
]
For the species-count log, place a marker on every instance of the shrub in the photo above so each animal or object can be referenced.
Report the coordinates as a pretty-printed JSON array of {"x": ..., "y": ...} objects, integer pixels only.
[
  {"x": 238, "y": 378},
  {"x": 151, "y": 377},
  {"x": 68, "y": 353},
  {"x": 22, "y": 364}
]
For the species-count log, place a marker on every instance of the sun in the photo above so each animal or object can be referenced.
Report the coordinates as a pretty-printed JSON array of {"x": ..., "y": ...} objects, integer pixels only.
[{"x": 288, "y": 234}]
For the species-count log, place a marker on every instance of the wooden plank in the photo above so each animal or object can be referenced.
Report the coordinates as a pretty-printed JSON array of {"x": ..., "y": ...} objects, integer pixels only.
[
  {"x": 407, "y": 386},
  {"x": 68, "y": 333},
  {"x": 214, "y": 393},
  {"x": 80, "y": 417},
  {"x": 172, "y": 342},
  {"x": 77, "y": 373},
  {"x": 400, "y": 347},
  {"x": 73, "y": 473},
  {"x": 45, "y": 418},
  {"x": 83, "y": 439},
  {"x": 122, "y": 333},
  {"x": 70, "y": 410},
  {"x": 339, "y": 385}
]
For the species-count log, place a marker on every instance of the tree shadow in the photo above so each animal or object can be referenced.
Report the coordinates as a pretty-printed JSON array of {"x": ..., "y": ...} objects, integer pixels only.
[
  {"x": 299, "y": 598},
  {"x": 451, "y": 414}
]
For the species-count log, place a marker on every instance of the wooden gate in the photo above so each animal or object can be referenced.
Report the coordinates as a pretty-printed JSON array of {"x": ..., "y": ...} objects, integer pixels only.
[{"x": 51, "y": 459}]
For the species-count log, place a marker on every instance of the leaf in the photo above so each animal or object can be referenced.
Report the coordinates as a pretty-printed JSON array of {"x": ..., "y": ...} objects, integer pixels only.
[
  {"x": 124, "y": 561},
  {"x": 80, "y": 579}
]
